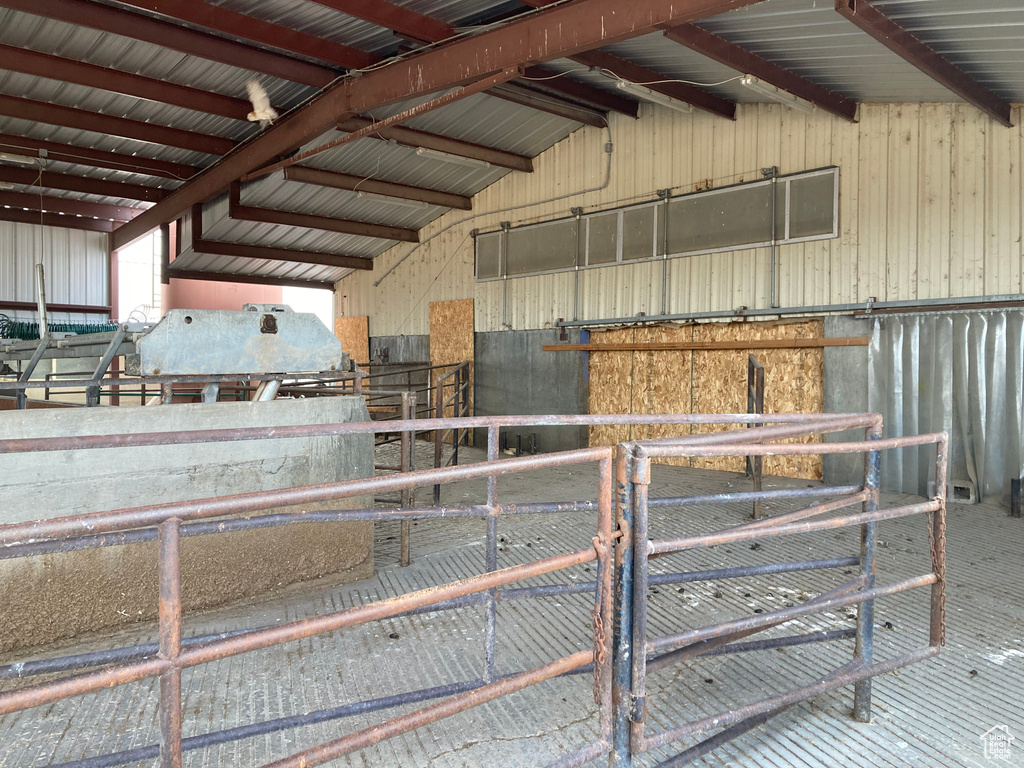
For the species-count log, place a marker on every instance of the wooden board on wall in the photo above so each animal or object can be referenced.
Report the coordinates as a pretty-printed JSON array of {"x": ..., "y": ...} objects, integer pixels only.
[
  {"x": 712, "y": 381},
  {"x": 354, "y": 333},
  {"x": 452, "y": 337}
]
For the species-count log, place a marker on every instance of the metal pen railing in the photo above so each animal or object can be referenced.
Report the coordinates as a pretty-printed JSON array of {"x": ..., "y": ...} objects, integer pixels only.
[
  {"x": 637, "y": 654},
  {"x": 621, "y": 653}
]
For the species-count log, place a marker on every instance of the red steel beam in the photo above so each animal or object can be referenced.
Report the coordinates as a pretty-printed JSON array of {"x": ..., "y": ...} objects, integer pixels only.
[
  {"x": 425, "y": 29},
  {"x": 538, "y": 77},
  {"x": 554, "y": 33},
  {"x": 69, "y": 117},
  {"x": 527, "y": 96},
  {"x": 92, "y": 309},
  {"x": 910, "y": 49},
  {"x": 264, "y": 33},
  {"x": 308, "y": 175},
  {"x": 402, "y": 21},
  {"x": 241, "y": 212},
  {"x": 627, "y": 70},
  {"x": 176, "y": 37},
  {"x": 744, "y": 61},
  {"x": 227, "y": 277},
  {"x": 70, "y": 71},
  {"x": 410, "y": 137},
  {"x": 96, "y": 158},
  {"x": 68, "y": 206},
  {"x": 683, "y": 92},
  {"x": 22, "y": 216},
  {"x": 66, "y": 181},
  {"x": 266, "y": 253}
]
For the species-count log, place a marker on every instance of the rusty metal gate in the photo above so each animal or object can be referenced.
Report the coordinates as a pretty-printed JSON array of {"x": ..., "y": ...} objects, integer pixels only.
[
  {"x": 637, "y": 654},
  {"x": 620, "y": 653}
]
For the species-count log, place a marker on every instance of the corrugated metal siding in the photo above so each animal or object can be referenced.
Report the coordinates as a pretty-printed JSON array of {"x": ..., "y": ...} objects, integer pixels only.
[
  {"x": 75, "y": 263},
  {"x": 930, "y": 207}
]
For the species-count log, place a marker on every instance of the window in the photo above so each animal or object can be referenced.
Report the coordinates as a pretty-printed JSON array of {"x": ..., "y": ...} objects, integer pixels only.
[
  {"x": 805, "y": 206},
  {"x": 540, "y": 248}
]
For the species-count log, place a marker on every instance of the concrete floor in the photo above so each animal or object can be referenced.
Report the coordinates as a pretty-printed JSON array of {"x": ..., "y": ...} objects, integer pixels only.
[{"x": 931, "y": 714}]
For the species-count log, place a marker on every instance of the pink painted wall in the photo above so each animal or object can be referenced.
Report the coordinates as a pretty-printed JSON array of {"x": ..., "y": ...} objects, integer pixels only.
[{"x": 201, "y": 294}]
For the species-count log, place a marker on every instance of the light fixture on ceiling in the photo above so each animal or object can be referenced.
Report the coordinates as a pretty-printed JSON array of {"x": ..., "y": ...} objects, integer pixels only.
[
  {"x": 654, "y": 97},
  {"x": 395, "y": 200},
  {"x": 776, "y": 94},
  {"x": 8, "y": 157},
  {"x": 436, "y": 154}
]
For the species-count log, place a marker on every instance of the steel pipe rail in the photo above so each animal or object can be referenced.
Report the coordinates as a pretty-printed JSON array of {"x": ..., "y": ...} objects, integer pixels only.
[
  {"x": 637, "y": 654},
  {"x": 621, "y": 653}
]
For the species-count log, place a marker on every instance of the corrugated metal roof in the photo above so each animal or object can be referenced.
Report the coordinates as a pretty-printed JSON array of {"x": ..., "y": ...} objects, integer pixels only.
[
  {"x": 985, "y": 38},
  {"x": 808, "y": 37}
]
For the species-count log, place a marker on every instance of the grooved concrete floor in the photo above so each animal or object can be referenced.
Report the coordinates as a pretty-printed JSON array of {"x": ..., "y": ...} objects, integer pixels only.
[{"x": 932, "y": 714}]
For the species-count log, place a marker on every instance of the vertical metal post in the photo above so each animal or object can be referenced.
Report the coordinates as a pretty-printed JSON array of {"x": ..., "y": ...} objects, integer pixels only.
[
  {"x": 492, "y": 555},
  {"x": 456, "y": 411},
  {"x": 169, "y": 539},
  {"x": 864, "y": 649},
  {"x": 622, "y": 634},
  {"x": 438, "y": 437},
  {"x": 638, "y": 697},
  {"x": 1016, "y": 499},
  {"x": 44, "y": 328},
  {"x": 937, "y": 538},
  {"x": 166, "y": 394},
  {"x": 407, "y": 447},
  {"x": 603, "y": 651},
  {"x": 774, "y": 297},
  {"x": 755, "y": 405}
]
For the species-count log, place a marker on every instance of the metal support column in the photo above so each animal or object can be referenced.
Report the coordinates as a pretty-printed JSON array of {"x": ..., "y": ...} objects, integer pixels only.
[
  {"x": 755, "y": 405},
  {"x": 865, "y": 644},
  {"x": 491, "y": 628},
  {"x": 169, "y": 536},
  {"x": 408, "y": 447},
  {"x": 622, "y": 672}
]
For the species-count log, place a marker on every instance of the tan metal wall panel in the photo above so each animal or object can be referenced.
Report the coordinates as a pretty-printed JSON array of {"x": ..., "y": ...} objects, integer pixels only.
[
  {"x": 75, "y": 262},
  {"x": 930, "y": 206}
]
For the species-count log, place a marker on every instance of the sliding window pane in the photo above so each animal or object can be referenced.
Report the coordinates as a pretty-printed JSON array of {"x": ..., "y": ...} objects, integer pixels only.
[
  {"x": 488, "y": 252},
  {"x": 638, "y": 233},
  {"x": 714, "y": 220},
  {"x": 541, "y": 248},
  {"x": 602, "y": 238},
  {"x": 812, "y": 205}
]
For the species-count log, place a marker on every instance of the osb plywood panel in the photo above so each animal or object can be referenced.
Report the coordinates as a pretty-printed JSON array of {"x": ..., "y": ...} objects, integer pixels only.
[
  {"x": 712, "y": 381},
  {"x": 355, "y": 336},
  {"x": 611, "y": 391},
  {"x": 669, "y": 382},
  {"x": 451, "y": 338},
  {"x": 794, "y": 383}
]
